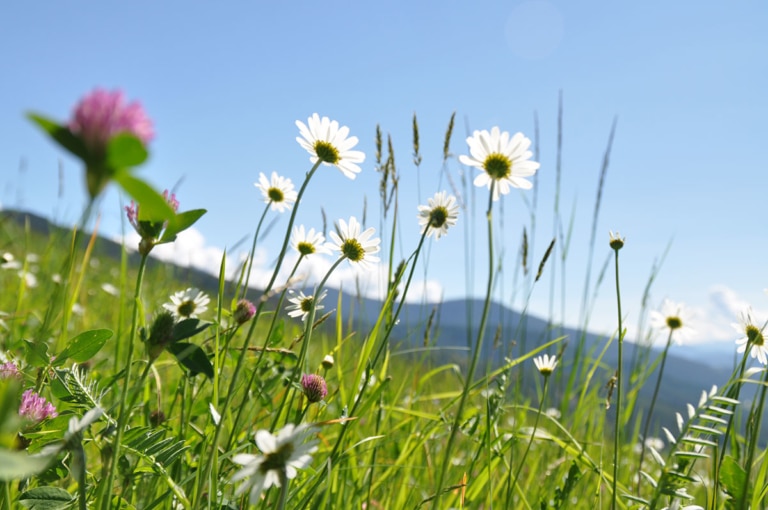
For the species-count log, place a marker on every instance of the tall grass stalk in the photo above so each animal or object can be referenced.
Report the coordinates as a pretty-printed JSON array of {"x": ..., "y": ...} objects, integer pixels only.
[
  {"x": 648, "y": 417},
  {"x": 125, "y": 411},
  {"x": 475, "y": 355},
  {"x": 512, "y": 480}
]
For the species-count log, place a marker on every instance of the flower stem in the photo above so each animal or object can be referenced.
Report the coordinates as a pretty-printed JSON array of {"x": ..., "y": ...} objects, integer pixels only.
[
  {"x": 283, "y": 490},
  {"x": 653, "y": 404},
  {"x": 301, "y": 363},
  {"x": 513, "y": 481},
  {"x": 252, "y": 253},
  {"x": 475, "y": 356},
  {"x": 205, "y": 473},
  {"x": 617, "y": 424},
  {"x": 124, "y": 411}
]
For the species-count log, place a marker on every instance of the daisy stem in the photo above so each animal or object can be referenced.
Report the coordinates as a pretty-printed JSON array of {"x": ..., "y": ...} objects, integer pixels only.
[
  {"x": 733, "y": 392},
  {"x": 122, "y": 420},
  {"x": 252, "y": 253},
  {"x": 513, "y": 481},
  {"x": 475, "y": 356},
  {"x": 301, "y": 363},
  {"x": 205, "y": 473},
  {"x": 755, "y": 419},
  {"x": 255, "y": 373},
  {"x": 650, "y": 409},
  {"x": 617, "y": 423},
  {"x": 283, "y": 489},
  {"x": 333, "y": 456}
]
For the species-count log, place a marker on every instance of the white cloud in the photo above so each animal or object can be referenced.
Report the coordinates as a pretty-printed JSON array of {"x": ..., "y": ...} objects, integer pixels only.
[{"x": 191, "y": 250}]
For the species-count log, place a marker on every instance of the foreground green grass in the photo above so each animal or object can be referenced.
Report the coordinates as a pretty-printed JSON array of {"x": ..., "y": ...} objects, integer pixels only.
[{"x": 178, "y": 401}]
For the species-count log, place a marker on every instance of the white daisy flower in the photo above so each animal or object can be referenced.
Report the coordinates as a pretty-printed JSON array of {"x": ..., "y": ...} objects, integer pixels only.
[
  {"x": 283, "y": 454},
  {"x": 753, "y": 338},
  {"x": 307, "y": 243},
  {"x": 188, "y": 303},
  {"x": 441, "y": 212},
  {"x": 675, "y": 317},
  {"x": 327, "y": 142},
  {"x": 278, "y": 191},
  {"x": 301, "y": 304},
  {"x": 502, "y": 159},
  {"x": 545, "y": 364},
  {"x": 355, "y": 246}
]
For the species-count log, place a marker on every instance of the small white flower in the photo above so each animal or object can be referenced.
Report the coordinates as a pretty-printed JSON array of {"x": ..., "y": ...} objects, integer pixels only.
[
  {"x": 301, "y": 304},
  {"x": 327, "y": 142},
  {"x": 283, "y": 454},
  {"x": 675, "y": 317},
  {"x": 110, "y": 289},
  {"x": 545, "y": 364},
  {"x": 30, "y": 280},
  {"x": 502, "y": 159},
  {"x": 753, "y": 338},
  {"x": 307, "y": 243},
  {"x": 188, "y": 303},
  {"x": 8, "y": 261},
  {"x": 441, "y": 212},
  {"x": 357, "y": 247},
  {"x": 278, "y": 192}
]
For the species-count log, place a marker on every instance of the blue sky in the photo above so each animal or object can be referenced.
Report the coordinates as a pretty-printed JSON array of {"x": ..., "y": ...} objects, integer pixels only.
[{"x": 224, "y": 84}]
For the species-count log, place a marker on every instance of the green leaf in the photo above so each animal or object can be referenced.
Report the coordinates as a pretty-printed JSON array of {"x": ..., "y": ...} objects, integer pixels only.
[
  {"x": 36, "y": 353},
  {"x": 125, "y": 150},
  {"x": 46, "y": 498},
  {"x": 61, "y": 135},
  {"x": 192, "y": 357},
  {"x": 84, "y": 346},
  {"x": 180, "y": 223},
  {"x": 153, "y": 206},
  {"x": 16, "y": 465},
  {"x": 188, "y": 328},
  {"x": 732, "y": 478}
]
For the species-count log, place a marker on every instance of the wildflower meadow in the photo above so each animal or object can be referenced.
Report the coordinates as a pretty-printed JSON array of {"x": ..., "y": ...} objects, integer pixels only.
[{"x": 161, "y": 394}]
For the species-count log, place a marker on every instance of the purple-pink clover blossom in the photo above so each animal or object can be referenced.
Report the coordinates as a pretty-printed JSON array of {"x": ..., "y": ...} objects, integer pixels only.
[
  {"x": 35, "y": 408},
  {"x": 102, "y": 114},
  {"x": 314, "y": 387},
  {"x": 9, "y": 370},
  {"x": 244, "y": 311}
]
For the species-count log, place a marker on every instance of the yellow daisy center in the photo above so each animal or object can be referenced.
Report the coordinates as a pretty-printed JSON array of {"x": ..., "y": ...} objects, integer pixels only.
[
  {"x": 306, "y": 248},
  {"x": 674, "y": 322},
  {"x": 498, "y": 166},
  {"x": 353, "y": 250},
  {"x": 754, "y": 335},
  {"x": 438, "y": 216},
  {"x": 186, "y": 308},
  {"x": 326, "y": 152},
  {"x": 306, "y": 304},
  {"x": 275, "y": 195},
  {"x": 277, "y": 460}
]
